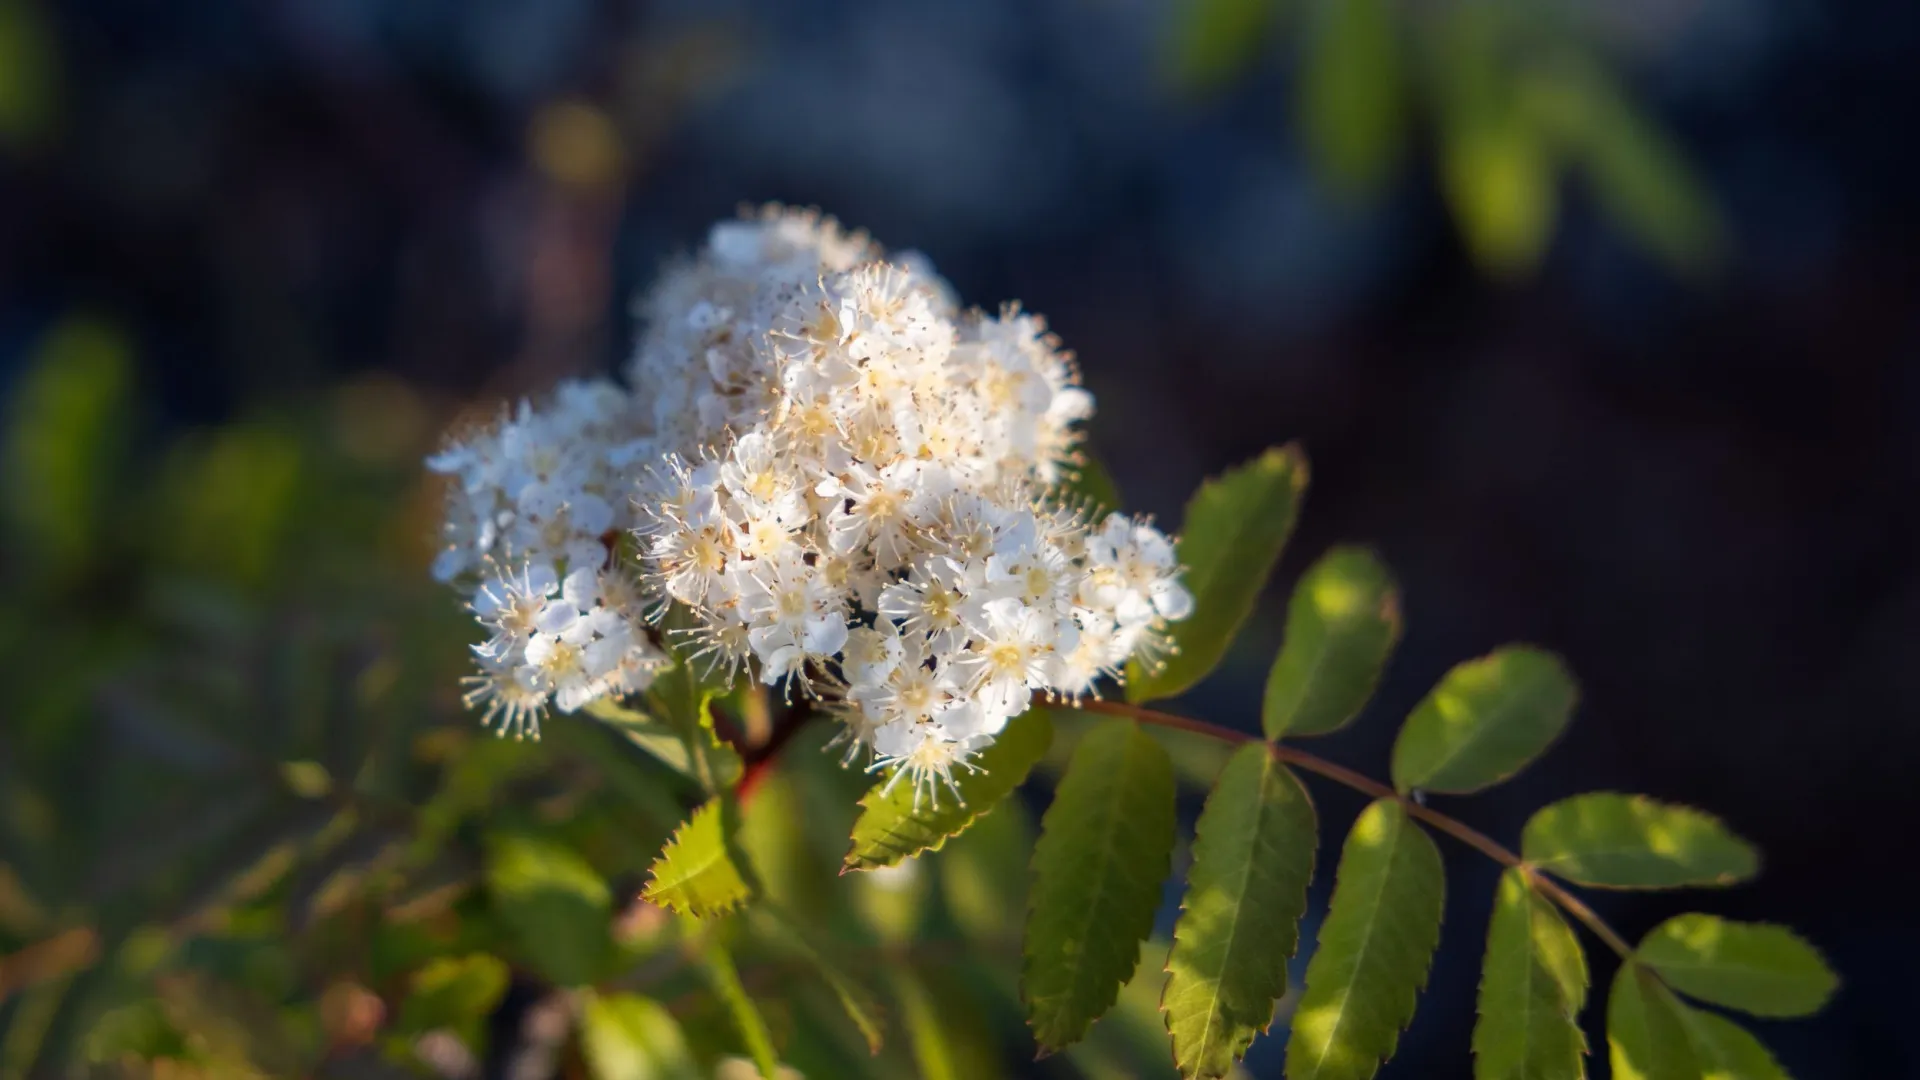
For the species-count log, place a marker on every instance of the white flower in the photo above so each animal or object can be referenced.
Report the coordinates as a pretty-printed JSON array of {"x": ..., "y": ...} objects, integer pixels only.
[{"x": 842, "y": 482}]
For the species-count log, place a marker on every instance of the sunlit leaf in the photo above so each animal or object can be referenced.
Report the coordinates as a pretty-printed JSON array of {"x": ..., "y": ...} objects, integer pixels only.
[
  {"x": 1532, "y": 988},
  {"x": 1646, "y": 1039},
  {"x": 627, "y": 1037},
  {"x": 1235, "y": 528},
  {"x": 1484, "y": 722},
  {"x": 1253, "y": 854},
  {"x": 1726, "y": 1051},
  {"x": 1758, "y": 968},
  {"x": 1103, "y": 853},
  {"x": 1352, "y": 107},
  {"x": 1634, "y": 842},
  {"x": 1375, "y": 946},
  {"x": 1497, "y": 170},
  {"x": 896, "y": 822},
  {"x": 699, "y": 873},
  {"x": 1342, "y": 624},
  {"x": 554, "y": 903}
]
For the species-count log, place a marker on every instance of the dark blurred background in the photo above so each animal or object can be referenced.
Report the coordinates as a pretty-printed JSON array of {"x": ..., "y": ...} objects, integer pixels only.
[{"x": 1600, "y": 320}]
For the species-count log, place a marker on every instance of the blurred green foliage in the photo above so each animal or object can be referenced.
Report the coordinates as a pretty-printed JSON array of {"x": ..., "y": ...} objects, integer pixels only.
[{"x": 1516, "y": 95}]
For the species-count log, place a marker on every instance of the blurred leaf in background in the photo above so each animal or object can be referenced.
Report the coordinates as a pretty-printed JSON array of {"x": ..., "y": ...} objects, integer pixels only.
[
  {"x": 1517, "y": 99},
  {"x": 29, "y": 76}
]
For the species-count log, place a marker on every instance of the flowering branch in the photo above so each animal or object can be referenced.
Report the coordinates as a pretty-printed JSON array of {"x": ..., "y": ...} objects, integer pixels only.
[{"x": 1372, "y": 788}]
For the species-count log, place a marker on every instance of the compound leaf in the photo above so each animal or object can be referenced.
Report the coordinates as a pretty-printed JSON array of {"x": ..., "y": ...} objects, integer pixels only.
[{"x": 1103, "y": 852}]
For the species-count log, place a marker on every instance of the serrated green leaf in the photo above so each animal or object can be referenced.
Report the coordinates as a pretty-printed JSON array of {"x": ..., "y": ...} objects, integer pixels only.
[
  {"x": 1352, "y": 108},
  {"x": 1725, "y": 1051},
  {"x": 555, "y": 904},
  {"x": 891, "y": 827},
  {"x": 1234, "y": 530},
  {"x": 1375, "y": 947},
  {"x": 699, "y": 874},
  {"x": 1253, "y": 854},
  {"x": 1342, "y": 624},
  {"x": 1103, "y": 852},
  {"x": 627, "y": 1037},
  {"x": 1759, "y": 968},
  {"x": 1634, "y": 842},
  {"x": 449, "y": 990},
  {"x": 1485, "y": 721},
  {"x": 1646, "y": 1039},
  {"x": 1532, "y": 989},
  {"x": 725, "y": 980}
]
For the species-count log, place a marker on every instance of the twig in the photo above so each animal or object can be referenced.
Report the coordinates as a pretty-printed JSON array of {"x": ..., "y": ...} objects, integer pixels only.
[{"x": 1342, "y": 775}]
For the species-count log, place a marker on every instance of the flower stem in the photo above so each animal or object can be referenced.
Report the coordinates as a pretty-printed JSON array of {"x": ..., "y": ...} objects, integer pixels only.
[{"x": 1346, "y": 777}]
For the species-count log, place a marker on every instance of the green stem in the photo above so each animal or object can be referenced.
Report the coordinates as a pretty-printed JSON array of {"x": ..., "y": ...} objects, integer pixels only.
[{"x": 1346, "y": 777}]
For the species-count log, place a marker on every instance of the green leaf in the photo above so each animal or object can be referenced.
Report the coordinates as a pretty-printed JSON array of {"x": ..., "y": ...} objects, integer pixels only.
[
  {"x": 1375, "y": 946},
  {"x": 1653, "y": 1035},
  {"x": 1646, "y": 1038},
  {"x": 933, "y": 1051},
  {"x": 1485, "y": 721},
  {"x": 1497, "y": 170},
  {"x": 555, "y": 904},
  {"x": 1532, "y": 989},
  {"x": 1725, "y": 1051},
  {"x": 725, "y": 980},
  {"x": 1640, "y": 178},
  {"x": 450, "y": 990},
  {"x": 686, "y": 705},
  {"x": 1634, "y": 842},
  {"x": 626, "y": 1037},
  {"x": 1091, "y": 488},
  {"x": 1352, "y": 106},
  {"x": 1758, "y": 968},
  {"x": 1240, "y": 921},
  {"x": 1103, "y": 852},
  {"x": 699, "y": 872},
  {"x": 1342, "y": 624},
  {"x": 1234, "y": 530},
  {"x": 861, "y": 1004},
  {"x": 891, "y": 827},
  {"x": 1216, "y": 41},
  {"x": 66, "y": 424}
]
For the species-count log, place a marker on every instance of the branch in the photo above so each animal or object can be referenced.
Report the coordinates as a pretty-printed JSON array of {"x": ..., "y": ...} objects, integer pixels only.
[{"x": 1344, "y": 776}]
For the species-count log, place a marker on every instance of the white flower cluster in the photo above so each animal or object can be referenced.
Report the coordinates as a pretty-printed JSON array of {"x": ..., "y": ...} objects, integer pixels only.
[{"x": 842, "y": 482}]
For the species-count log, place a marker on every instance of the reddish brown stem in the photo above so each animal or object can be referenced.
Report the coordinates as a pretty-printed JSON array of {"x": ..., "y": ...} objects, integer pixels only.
[{"x": 1346, "y": 777}]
